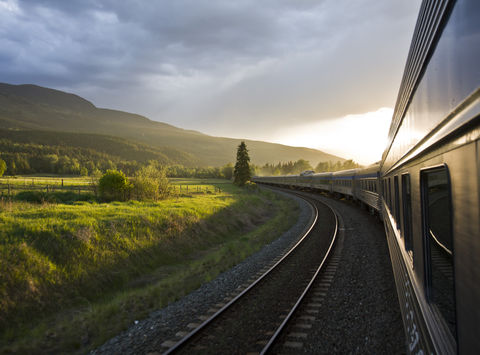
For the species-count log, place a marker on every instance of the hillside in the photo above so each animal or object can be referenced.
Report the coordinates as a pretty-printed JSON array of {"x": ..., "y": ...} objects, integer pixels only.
[
  {"x": 30, "y": 107},
  {"x": 30, "y": 152},
  {"x": 115, "y": 147}
]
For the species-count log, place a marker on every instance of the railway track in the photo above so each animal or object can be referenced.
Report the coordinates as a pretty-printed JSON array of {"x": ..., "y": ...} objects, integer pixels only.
[{"x": 254, "y": 320}]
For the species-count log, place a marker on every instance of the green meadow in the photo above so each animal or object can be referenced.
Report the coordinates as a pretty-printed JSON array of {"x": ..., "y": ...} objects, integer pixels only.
[{"x": 74, "y": 274}]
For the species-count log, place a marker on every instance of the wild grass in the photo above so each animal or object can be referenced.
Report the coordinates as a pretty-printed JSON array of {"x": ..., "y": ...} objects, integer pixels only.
[{"x": 73, "y": 275}]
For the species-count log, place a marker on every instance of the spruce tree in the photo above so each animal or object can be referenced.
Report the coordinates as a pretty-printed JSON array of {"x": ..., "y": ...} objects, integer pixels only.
[{"x": 241, "y": 172}]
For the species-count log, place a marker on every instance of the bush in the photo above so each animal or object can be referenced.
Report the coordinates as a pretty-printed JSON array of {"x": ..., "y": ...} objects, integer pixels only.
[
  {"x": 114, "y": 186},
  {"x": 151, "y": 183}
]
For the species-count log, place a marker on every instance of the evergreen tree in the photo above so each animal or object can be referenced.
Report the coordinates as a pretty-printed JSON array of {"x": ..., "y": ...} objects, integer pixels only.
[{"x": 241, "y": 172}]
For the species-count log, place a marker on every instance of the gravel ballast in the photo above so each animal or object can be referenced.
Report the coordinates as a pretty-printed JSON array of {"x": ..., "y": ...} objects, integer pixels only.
[
  {"x": 360, "y": 313},
  {"x": 149, "y": 334}
]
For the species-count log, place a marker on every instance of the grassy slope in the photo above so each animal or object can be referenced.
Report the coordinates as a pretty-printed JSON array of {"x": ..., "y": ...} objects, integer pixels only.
[
  {"x": 37, "y": 108},
  {"x": 74, "y": 275}
]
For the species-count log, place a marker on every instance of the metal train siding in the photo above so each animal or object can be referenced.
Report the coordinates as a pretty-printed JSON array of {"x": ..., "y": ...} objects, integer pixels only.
[{"x": 427, "y": 188}]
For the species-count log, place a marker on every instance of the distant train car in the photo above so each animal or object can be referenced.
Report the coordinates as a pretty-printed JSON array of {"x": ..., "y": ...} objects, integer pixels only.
[
  {"x": 343, "y": 182},
  {"x": 367, "y": 187},
  {"x": 322, "y": 182}
]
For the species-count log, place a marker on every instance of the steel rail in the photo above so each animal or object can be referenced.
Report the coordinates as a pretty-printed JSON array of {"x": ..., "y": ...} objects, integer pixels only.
[
  {"x": 282, "y": 326},
  {"x": 186, "y": 338}
]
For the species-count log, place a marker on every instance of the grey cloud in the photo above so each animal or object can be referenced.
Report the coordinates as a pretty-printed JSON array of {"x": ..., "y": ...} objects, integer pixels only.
[{"x": 203, "y": 64}]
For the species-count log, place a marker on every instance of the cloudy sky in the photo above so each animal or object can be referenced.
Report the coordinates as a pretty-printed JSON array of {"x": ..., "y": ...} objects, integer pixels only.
[{"x": 318, "y": 73}]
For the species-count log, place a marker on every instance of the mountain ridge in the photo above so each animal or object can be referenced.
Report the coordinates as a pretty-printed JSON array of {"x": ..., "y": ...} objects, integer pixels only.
[{"x": 33, "y": 107}]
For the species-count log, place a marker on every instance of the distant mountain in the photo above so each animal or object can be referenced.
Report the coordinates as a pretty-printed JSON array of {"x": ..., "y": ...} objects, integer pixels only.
[{"x": 31, "y": 107}]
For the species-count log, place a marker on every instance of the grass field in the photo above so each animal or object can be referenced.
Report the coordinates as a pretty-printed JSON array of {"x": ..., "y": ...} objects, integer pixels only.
[
  {"x": 73, "y": 275},
  {"x": 44, "y": 180}
]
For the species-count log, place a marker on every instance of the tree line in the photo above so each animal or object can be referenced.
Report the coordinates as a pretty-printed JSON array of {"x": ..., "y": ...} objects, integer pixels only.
[
  {"x": 29, "y": 158},
  {"x": 25, "y": 158},
  {"x": 296, "y": 167}
]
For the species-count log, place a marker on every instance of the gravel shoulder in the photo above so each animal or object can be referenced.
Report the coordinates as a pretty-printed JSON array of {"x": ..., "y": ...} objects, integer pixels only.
[
  {"x": 148, "y": 335},
  {"x": 360, "y": 313}
]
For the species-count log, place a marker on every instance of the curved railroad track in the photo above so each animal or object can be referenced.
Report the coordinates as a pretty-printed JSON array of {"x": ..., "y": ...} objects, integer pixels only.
[{"x": 254, "y": 320}]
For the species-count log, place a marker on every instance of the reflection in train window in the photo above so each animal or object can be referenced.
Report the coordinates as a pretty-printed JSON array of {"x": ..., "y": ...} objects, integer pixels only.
[
  {"x": 438, "y": 242},
  {"x": 397, "y": 202},
  {"x": 407, "y": 211}
]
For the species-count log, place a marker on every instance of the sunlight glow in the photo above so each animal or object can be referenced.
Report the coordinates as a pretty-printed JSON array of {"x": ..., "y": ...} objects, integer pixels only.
[{"x": 361, "y": 137}]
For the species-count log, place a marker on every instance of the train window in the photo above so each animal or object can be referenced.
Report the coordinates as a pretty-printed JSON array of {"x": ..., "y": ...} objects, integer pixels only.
[
  {"x": 386, "y": 191},
  {"x": 397, "y": 202},
  {"x": 438, "y": 243},
  {"x": 407, "y": 211},
  {"x": 389, "y": 193}
]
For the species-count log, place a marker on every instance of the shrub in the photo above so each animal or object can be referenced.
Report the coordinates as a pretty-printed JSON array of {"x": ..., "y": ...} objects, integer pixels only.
[
  {"x": 151, "y": 183},
  {"x": 113, "y": 186}
]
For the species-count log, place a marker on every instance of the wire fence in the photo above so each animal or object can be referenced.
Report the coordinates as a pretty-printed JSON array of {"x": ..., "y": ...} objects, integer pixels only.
[{"x": 9, "y": 190}]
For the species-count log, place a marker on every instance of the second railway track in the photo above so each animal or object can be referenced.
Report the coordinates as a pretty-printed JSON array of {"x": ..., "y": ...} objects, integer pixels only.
[{"x": 252, "y": 321}]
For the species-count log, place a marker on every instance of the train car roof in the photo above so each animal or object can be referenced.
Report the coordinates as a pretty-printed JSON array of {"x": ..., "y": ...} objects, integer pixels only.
[
  {"x": 349, "y": 172},
  {"x": 322, "y": 174}
]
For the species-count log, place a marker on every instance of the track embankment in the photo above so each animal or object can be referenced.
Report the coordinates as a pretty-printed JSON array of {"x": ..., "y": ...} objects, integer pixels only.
[{"x": 352, "y": 307}]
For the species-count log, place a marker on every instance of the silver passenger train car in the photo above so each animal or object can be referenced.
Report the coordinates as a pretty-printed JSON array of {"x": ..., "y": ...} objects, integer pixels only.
[{"x": 427, "y": 187}]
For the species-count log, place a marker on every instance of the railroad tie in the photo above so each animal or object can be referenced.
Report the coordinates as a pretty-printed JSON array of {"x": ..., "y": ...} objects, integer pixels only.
[
  {"x": 193, "y": 325},
  {"x": 168, "y": 343},
  {"x": 293, "y": 344},
  {"x": 297, "y": 335},
  {"x": 303, "y": 325}
]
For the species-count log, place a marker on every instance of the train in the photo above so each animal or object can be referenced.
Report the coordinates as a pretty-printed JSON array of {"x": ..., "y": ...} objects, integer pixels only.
[{"x": 426, "y": 187}]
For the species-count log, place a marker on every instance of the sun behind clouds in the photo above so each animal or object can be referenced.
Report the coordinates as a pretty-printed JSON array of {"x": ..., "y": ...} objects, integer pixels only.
[{"x": 361, "y": 137}]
